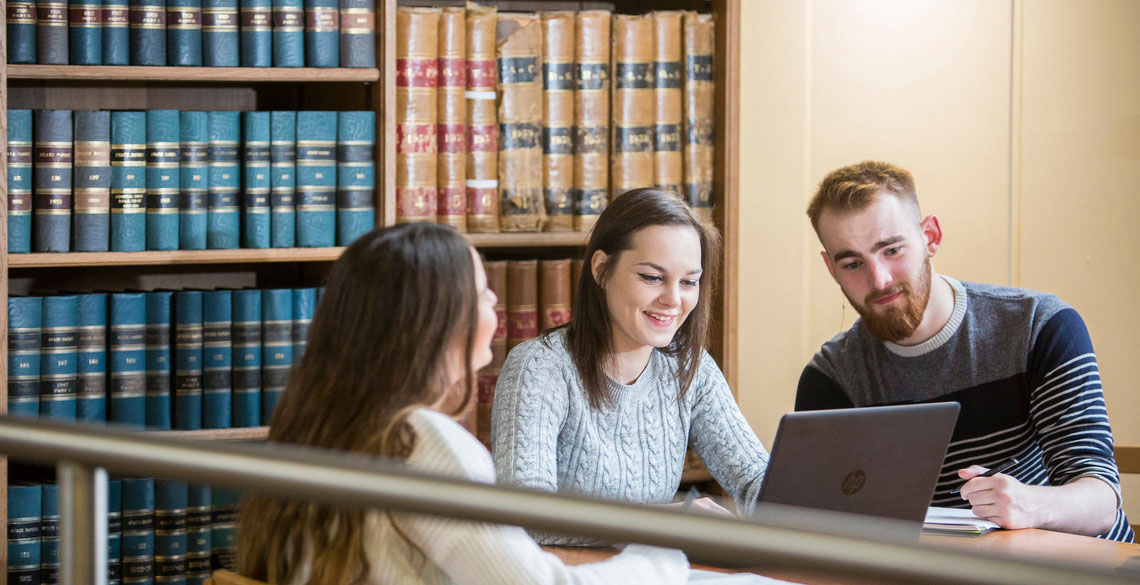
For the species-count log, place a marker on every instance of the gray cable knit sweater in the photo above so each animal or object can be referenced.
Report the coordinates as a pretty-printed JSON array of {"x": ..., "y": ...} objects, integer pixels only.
[{"x": 546, "y": 436}]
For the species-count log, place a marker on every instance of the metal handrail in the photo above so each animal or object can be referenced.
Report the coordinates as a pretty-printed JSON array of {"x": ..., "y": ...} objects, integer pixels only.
[{"x": 775, "y": 537}]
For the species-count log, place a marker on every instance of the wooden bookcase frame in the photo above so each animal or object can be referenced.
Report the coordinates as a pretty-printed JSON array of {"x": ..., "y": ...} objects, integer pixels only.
[{"x": 105, "y": 87}]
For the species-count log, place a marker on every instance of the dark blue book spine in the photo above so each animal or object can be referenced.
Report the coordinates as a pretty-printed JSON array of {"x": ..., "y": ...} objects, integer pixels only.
[
  {"x": 217, "y": 347},
  {"x": 223, "y": 528},
  {"x": 256, "y": 33},
  {"x": 92, "y": 176},
  {"x": 49, "y": 535},
  {"x": 194, "y": 184},
  {"x": 25, "y": 318},
  {"x": 58, "y": 357},
  {"x": 316, "y": 179},
  {"x": 170, "y": 537},
  {"x": 222, "y": 217},
  {"x": 162, "y": 179},
  {"x": 21, "y": 31},
  {"x": 91, "y": 351},
  {"x": 114, "y": 531},
  {"x": 255, "y": 199},
  {"x": 138, "y": 531},
  {"x": 247, "y": 358},
  {"x": 288, "y": 33},
  {"x": 116, "y": 33},
  {"x": 198, "y": 535},
  {"x": 322, "y": 24},
  {"x": 128, "y": 181},
  {"x": 51, "y": 32},
  {"x": 276, "y": 348},
  {"x": 220, "y": 33},
  {"x": 19, "y": 179},
  {"x": 148, "y": 32},
  {"x": 304, "y": 305},
  {"x": 126, "y": 357},
  {"x": 24, "y": 533},
  {"x": 357, "y": 33},
  {"x": 355, "y": 175},
  {"x": 85, "y": 21},
  {"x": 283, "y": 179},
  {"x": 188, "y": 360},
  {"x": 158, "y": 401},
  {"x": 51, "y": 181},
  {"x": 184, "y": 32}
]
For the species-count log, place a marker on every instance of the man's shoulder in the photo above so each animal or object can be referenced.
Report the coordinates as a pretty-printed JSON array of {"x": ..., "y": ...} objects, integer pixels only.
[
  {"x": 852, "y": 343},
  {"x": 1008, "y": 303}
]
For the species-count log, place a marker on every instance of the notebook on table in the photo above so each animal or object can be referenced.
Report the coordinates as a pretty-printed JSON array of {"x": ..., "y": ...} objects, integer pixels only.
[{"x": 878, "y": 461}]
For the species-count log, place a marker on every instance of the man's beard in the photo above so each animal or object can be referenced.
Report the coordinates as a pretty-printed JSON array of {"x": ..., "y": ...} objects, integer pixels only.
[{"x": 897, "y": 323}]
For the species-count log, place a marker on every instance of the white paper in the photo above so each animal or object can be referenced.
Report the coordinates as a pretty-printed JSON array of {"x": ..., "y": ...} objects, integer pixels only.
[{"x": 713, "y": 578}]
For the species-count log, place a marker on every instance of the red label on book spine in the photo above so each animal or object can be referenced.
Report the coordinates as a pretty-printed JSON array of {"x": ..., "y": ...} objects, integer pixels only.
[
  {"x": 417, "y": 72},
  {"x": 416, "y": 139},
  {"x": 481, "y": 74}
]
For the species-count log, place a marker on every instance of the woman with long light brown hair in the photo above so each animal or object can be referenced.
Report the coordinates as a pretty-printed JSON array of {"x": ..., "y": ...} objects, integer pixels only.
[{"x": 405, "y": 322}]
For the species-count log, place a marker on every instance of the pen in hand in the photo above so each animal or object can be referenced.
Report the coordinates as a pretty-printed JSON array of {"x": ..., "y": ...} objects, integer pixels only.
[{"x": 1004, "y": 465}]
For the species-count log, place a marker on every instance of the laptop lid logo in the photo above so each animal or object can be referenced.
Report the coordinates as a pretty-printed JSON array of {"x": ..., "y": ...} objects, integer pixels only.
[{"x": 853, "y": 482}]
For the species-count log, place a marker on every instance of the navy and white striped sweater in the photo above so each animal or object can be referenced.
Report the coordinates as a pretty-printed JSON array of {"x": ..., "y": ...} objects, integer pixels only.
[{"x": 1021, "y": 365}]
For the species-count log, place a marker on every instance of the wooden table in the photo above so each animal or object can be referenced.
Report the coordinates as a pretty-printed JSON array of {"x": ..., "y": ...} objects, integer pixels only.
[{"x": 1031, "y": 543}]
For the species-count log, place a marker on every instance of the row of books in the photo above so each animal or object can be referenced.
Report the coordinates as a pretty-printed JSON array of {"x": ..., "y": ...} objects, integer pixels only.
[
  {"x": 194, "y": 33},
  {"x": 528, "y": 122},
  {"x": 186, "y": 360},
  {"x": 157, "y": 531},
  {"x": 534, "y": 295},
  {"x": 127, "y": 181}
]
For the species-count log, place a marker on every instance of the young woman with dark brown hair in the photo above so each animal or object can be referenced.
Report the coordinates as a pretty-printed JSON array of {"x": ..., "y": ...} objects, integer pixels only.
[
  {"x": 405, "y": 321},
  {"x": 608, "y": 405}
]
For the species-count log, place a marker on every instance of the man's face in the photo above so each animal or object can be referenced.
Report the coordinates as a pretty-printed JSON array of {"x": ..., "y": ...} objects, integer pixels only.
[{"x": 881, "y": 259}]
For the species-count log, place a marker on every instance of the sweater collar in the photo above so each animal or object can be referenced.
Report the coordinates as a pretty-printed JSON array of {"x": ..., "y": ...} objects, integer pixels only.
[{"x": 948, "y": 330}]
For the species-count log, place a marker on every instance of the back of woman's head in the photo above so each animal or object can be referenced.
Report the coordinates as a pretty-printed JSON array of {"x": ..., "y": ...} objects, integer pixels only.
[
  {"x": 590, "y": 332},
  {"x": 395, "y": 302}
]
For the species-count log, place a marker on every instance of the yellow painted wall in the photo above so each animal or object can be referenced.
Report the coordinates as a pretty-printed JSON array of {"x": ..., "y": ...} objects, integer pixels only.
[{"x": 1020, "y": 122}]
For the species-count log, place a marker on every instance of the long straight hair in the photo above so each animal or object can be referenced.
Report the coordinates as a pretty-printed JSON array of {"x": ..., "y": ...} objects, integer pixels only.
[
  {"x": 396, "y": 301},
  {"x": 589, "y": 333}
]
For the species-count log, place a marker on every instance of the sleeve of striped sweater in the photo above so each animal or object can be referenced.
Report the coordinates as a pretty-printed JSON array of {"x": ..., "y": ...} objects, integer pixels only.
[
  {"x": 475, "y": 553},
  {"x": 1067, "y": 403}
]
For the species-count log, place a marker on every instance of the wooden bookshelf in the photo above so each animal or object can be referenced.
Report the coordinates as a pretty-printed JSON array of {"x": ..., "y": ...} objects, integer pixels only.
[
  {"x": 241, "y": 434},
  {"x": 182, "y": 74}
]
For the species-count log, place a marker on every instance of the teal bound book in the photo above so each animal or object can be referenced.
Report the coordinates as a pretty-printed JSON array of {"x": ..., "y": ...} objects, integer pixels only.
[
  {"x": 223, "y": 528},
  {"x": 25, "y": 318},
  {"x": 116, "y": 33},
  {"x": 162, "y": 179},
  {"x": 322, "y": 25},
  {"x": 276, "y": 347},
  {"x": 86, "y": 32},
  {"x": 217, "y": 349},
  {"x": 19, "y": 180},
  {"x": 128, "y": 181},
  {"x": 356, "y": 175},
  {"x": 91, "y": 351},
  {"x": 58, "y": 356},
  {"x": 126, "y": 358},
  {"x": 288, "y": 33},
  {"x": 49, "y": 534},
  {"x": 357, "y": 33},
  {"x": 220, "y": 33},
  {"x": 51, "y": 32},
  {"x": 283, "y": 179},
  {"x": 188, "y": 360},
  {"x": 138, "y": 530},
  {"x": 21, "y": 32},
  {"x": 255, "y": 198},
  {"x": 256, "y": 33},
  {"x": 158, "y": 406},
  {"x": 92, "y": 175},
  {"x": 194, "y": 183},
  {"x": 184, "y": 32},
  {"x": 198, "y": 539},
  {"x": 222, "y": 219},
  {"x": 316, "y": 179},
  {"x": 246, "y": 375},
  {"x": 170, "y": 536},
  {"x": 148, "y": 32},
  {"x": 25, "y": 504},
  {"x": 114, "y": 532}
]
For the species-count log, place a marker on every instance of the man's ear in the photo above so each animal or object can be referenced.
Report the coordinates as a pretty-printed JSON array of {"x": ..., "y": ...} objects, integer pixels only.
[
  {"x": 597, "y": 265},
  {"x": 830, "y": 265},
  {"x": 931, "y": 234}
]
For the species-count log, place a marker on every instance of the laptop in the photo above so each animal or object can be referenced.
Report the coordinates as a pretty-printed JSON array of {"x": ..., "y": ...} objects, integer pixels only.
[{"x": 878, "y": 461}]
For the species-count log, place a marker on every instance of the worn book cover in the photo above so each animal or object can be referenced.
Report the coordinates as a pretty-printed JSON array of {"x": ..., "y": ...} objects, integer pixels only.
[
  {"x": 633, "y": 102},
  {"x": 482, "y": 120},
  {"x": 700, "y": 100},
  {"x": 417, "y": 81},
  {"x": 591, "y": 116}
]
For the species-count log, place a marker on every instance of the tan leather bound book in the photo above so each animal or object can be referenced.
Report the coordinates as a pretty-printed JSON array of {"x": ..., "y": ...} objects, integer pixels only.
[
  {"x": 522, "y": 301},
  {"x": 558, "y": 119},
  {"x": 451, "y": 131},
  {"x": 522, "y": 208},
  {"x": 417, "y": 75},
  {"x": 482, "y": 121},
  {"x": 668, "y": 167},
  {"x": 591, "y": 116},
  {"x": 700, "y": 95},
  {"x": 489, "y": 375},
  {"x": 554, "y": 293},
  {"x": 633, "y": 112}
]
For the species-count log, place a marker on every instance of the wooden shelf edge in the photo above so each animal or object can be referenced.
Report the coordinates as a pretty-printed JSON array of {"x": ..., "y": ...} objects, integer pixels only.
[
  {"x": 183, "y": 74},
  {"x": 239, "y": 434},
  {"x": 528, "y": 239},
  {"x": 89, "y": 259}
]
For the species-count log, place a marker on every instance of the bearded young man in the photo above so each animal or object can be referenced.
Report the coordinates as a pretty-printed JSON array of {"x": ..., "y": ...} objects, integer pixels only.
[{"x": 1019, "y": 362}]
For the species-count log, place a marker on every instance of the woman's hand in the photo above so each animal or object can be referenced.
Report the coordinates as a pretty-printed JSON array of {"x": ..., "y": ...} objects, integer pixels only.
[{"x": 703, "y": 505}]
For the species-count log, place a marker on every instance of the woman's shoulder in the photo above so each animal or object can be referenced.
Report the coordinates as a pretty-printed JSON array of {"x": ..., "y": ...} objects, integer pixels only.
[
  {"x": 444, "y": 447},
  {"x": 550, "y": 345}
]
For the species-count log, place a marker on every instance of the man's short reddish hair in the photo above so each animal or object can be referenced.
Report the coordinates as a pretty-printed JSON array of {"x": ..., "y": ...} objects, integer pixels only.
[{"x": 854, "y": 187}]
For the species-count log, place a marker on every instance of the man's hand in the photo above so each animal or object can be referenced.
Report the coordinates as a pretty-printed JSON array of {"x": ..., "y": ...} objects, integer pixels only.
[{"x": 1086, "y": 505}]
